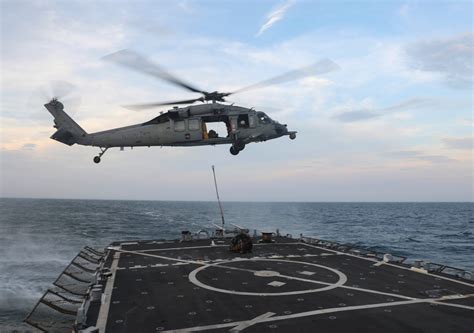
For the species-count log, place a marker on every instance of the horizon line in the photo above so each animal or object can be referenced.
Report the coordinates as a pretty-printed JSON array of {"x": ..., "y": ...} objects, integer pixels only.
[{"x": 231, "y": 201}]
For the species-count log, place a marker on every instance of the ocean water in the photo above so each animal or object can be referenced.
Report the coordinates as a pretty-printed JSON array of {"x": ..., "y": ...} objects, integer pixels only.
[{"x": 38, "y": 238}]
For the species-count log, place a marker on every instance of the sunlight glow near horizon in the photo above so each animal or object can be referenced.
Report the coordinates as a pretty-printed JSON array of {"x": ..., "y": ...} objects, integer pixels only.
[{"x": 395, "y": 123}]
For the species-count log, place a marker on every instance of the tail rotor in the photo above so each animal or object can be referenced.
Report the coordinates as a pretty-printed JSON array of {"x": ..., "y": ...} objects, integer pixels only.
[{"x": 63, "y": 91}]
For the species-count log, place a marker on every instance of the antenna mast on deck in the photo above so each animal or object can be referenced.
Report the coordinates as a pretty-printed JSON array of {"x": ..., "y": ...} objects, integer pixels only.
[{"x": 218, "y": 199}]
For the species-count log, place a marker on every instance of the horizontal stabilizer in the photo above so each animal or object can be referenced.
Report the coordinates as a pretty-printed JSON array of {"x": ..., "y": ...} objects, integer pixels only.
[{"x": 64, "y": 136}]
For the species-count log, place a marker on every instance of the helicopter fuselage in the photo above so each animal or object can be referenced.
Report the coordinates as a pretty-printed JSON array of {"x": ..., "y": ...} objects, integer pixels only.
[{"x": 188, "y": 127}]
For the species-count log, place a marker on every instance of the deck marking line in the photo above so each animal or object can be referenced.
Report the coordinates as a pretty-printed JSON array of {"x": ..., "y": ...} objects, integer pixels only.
[
  {"x": 325, "y": 283},
  {"x": 455, "y": 305},
  {"x": 312, "y": 281},
  {"x": 342, "y": 279},
  {"x": 451, "y": 297},
  {"x": 245, "y": 324},
  {"x": 201, "y": 263},
  {"x": 107, "y": 295},
  {"x": 389, "y": 264},
  {"x": 457, "y": 296},
  {"x": 371, "y": 291},
  {"x": 312, "y": 313},
  {"x": 182, "y": 248},
  {"x": 193, "y": 279},
  {"x": 434, "y": 275},
  {"x": 209, "y": 246}
]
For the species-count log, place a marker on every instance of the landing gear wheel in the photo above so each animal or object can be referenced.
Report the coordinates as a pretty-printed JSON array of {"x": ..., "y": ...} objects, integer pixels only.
[
  {"x": 102, "y": 152},
  {"x": 233, "y": 151},
  {"x": 292, "y": 136}
]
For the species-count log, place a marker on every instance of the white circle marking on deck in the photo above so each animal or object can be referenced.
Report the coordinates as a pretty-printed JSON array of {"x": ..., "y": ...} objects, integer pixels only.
[
  {"x": 342, "y": 279},
  {"x": 266, "y": 273}
]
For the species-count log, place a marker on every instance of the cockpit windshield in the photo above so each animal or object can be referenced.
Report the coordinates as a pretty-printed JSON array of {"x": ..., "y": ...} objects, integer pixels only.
[{"x": 263, "y": 118}]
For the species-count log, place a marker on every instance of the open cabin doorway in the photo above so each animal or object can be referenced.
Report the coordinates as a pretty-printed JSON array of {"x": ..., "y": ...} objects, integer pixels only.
[{"x": 215, "y": 127}]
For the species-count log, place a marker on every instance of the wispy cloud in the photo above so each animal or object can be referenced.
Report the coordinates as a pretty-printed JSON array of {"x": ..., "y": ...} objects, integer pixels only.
[
  {"x": 357, "y": 115},
  {"x": 337, "y": 157},
  {"x": 351, "y": 116},
  {"x": 417, "y": 155},
  {"x": 459, "y": 143},
  {"x": 274, "y": 16},
  {"x": 29, "y": 146},
  {"x": 451, "y": 57}
]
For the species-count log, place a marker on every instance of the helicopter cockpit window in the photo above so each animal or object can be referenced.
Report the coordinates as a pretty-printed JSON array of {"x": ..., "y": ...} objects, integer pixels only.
[
  {"x": 193, "y": 124},
  {"x": 243, "y": 121},
  {"x": 263, "y": 118},
  {"x": 252, "y": 122},
  {"x": 179, "y": 125}
]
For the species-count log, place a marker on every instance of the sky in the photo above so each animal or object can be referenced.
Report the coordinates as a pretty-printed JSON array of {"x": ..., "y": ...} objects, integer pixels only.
[{"x": 394, "y": 123}]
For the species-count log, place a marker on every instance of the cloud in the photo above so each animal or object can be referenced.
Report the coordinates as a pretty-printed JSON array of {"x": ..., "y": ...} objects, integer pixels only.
[
  {"x": 185, "y": 5},
  {"x": 351, "y": 116},
  {"x": 435, "y": 159},
  {"x": 417, "y": 155},
  {"x": 409, "y": 104},
  {"x": 451, "y": 57},
  {"x": 274, "y": 16},
  {"x": 459, "y": 143},
  {"x": 374, "y": 74},
  {"x": 29, "y": 146},
  {"x": 467, "y": 121},
  {"x": 359, "y": 115}
]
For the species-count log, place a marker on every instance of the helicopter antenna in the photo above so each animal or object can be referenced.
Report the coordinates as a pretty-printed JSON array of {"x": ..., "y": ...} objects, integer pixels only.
[{"x": 218, "y": 199}]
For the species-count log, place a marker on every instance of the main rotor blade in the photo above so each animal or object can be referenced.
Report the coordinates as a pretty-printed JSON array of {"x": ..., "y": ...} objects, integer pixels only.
[
  {"x": 153, "y": 105},
  {"x": 135, "y": 61},
  {"x": 320, "y": 67}
]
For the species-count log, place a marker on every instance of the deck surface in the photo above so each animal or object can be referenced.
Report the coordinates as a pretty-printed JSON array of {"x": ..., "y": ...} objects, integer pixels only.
[{"x": 283, "y": 286}]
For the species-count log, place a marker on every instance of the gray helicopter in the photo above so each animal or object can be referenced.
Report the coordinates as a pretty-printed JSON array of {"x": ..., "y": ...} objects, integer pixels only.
[{"x": 191, "y": 125}]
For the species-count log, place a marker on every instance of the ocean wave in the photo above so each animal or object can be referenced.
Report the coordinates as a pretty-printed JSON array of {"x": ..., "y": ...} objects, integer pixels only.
[
  {"x": 412, "y": 239},
  {"x": 19, "y": 297},
  {"x": 457, "y": 235},
  {"x": 38, "y": 238}
]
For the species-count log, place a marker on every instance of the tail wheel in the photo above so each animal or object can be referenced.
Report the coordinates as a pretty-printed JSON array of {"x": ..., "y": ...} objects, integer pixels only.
[{"x": 96, "y": 159}]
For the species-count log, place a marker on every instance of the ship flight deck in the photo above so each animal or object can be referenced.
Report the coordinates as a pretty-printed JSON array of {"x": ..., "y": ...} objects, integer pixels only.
[{"x": 288, "y": 285}]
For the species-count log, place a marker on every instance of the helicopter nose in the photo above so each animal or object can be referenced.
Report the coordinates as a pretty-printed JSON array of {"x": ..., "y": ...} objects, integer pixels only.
[{"x": 281, "y": 129}]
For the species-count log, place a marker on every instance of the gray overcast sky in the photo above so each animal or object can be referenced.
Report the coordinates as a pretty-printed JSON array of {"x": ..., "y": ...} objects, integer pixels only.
[{"x": 393, "y": 124}]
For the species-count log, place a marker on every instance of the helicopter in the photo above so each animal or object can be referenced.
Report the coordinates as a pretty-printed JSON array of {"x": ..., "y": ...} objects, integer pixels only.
[{"x": 183, "y": 126}]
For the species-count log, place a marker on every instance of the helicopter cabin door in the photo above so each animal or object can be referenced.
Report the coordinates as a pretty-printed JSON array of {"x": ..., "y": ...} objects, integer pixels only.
[
  {"x": 193, "y": 130},
  {"x": 187, "y": 130}
]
